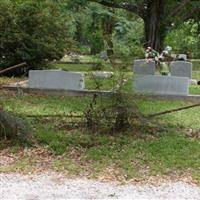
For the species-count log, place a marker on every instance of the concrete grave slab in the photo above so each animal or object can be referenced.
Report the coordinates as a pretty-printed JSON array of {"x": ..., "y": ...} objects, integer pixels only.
[
  {"x": 142, "y": 67},
  {"x": 181, "y": 69},
  {"x": 56, "y": 79},
  {"x": 163, "y": 85}
]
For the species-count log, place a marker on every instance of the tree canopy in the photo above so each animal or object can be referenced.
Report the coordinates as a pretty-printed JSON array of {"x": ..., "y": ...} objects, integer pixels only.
[
  {"x": 40, "y": 31},
  {"x": 158, "y": 15}
]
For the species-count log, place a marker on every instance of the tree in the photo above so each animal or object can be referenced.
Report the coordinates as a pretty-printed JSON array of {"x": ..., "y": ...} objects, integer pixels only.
[
  {"x": 158, "y": 15},
  {"x": 32, "y": 31}
]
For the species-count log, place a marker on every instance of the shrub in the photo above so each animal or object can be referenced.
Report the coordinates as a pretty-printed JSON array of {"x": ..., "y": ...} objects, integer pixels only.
[
  {"x": 31, "y": 31},
  {"x": 12, "y": 127}
]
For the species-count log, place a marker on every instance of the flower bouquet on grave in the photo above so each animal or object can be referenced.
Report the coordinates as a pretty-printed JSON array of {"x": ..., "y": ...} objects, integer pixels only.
[{"x": 160, "y": 59}]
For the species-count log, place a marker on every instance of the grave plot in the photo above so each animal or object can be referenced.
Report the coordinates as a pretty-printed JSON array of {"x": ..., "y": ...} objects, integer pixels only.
[{"x": 175, "y": 84}]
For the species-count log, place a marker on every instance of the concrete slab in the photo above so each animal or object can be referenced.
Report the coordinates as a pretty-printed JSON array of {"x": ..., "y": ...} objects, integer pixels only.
[
  {"x": 162, "y": 85},
  {"x": 56, "y": 79}
]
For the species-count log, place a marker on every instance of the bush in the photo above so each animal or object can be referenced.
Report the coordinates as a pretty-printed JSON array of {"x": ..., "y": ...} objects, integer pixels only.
[
  {"x": 12, "y": 127},
  {"x": 189, "y": 42},
  {"x": 32, "y": 31},
  {"x": 115, "y": 113}
]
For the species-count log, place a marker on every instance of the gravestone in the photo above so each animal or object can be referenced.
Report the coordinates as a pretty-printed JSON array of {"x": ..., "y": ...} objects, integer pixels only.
[
  {"x": 142, "y": 67},
  {"x": 102, "y": 74},
  {"x": 56, "y": 79},
  {"x": 181, "y": 69},
  {"x": 104, "y": 55},
  {"x": 182, "y": 56},
  {"x": 163, "y": 85}
]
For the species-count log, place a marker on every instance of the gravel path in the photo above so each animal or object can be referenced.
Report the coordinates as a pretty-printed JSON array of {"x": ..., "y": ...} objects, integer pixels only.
[{"x": 55, "y": 187}]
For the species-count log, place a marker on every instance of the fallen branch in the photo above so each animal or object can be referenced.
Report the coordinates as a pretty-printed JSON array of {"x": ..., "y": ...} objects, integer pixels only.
[
  {"x": 13, "y": 67},
  {"x": 52, "y": 116},
  {"x": 173, "y": 110}
]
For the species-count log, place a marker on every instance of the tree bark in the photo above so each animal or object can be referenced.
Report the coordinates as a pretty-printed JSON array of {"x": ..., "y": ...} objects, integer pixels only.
[{"x": 154, "y": 27}]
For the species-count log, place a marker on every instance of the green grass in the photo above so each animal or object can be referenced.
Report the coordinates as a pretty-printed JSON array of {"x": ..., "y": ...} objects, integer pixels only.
[
  {"x": 196, "y": 65},
  {"x": 36, "y": 104},
  {"x": 185, "y": 119},
  {"x": 196, "y": 75},
  {"x": 171, "y": 153},
  {"x": 80, "y": 67},
  {"x": 195, "y": 89},
  {"x": 30, "y": 104}
]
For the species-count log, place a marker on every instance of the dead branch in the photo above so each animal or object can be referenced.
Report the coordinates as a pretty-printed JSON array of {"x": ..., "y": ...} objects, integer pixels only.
[
  {"x": 11, "y": 68},
  {"x": 173, "y": 110}
]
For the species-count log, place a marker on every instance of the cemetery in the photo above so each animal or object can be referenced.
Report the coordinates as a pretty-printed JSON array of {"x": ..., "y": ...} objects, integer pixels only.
[
  {"x": 143, "y": 78},
  {"x": 99, "y": 101}
]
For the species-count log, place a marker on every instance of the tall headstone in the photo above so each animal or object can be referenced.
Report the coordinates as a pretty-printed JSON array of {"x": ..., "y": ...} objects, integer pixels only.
[
  {"x": 56, "y": 79},
  {"x": 162, "y": 85},
  {"x": 143, "y": 67},
  {"x": 181, "y": 69}
]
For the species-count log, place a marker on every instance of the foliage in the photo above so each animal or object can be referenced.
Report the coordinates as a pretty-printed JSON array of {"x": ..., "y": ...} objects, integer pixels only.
[
  {"x": 32, "y": 31},
  {"x": 116, "y": 115},
  {"x": 189, "y": 42},
  {"x": 128, "y": 36},
  {"x": 158, "y": 16}
]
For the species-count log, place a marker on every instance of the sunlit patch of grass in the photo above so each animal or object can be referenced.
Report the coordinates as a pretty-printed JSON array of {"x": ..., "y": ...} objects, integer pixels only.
[
  {"x": 195, "y": 89},
  {"x": 7, "y": 80}
]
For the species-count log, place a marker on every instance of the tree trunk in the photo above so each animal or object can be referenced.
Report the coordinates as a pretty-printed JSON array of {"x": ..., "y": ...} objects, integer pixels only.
[
  {"x": 108, "y": 24},
  {"x": 155, "y": 30}
]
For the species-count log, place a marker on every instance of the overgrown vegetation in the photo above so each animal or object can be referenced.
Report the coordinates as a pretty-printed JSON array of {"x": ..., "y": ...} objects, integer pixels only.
[
  {"x": 97, "y": 136},
  {"x": 168, "y": 146},
  {"x": 14, "y": 128},
  {"x": 32, "y": 31}
]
